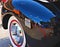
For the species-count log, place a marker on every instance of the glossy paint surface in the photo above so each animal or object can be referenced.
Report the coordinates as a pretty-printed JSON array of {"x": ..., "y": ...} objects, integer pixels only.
[{"x": 33, "y": 10}]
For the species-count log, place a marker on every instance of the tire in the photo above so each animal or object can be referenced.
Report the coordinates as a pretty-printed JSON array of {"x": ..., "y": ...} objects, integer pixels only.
[{"x": 16, "y": 33}]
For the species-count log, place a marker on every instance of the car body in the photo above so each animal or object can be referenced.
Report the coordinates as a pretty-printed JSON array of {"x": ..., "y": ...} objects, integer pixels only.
[{"x": 35, "y": 19}]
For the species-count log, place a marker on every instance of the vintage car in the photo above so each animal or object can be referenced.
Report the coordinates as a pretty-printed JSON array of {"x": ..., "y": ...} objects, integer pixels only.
[{"x": 30, "y": 22}]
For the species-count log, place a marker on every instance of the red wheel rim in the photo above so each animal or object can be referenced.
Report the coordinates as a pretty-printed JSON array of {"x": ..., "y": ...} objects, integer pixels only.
[{"x": 11, "y": 34}]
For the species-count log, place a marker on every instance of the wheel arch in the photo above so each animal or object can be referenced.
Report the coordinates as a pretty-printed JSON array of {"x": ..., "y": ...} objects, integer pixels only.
[{"x": 5, "y": 19}]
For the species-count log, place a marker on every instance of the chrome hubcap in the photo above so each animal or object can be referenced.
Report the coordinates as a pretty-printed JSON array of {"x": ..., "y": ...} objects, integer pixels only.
[{"x": 17, "y": 33}]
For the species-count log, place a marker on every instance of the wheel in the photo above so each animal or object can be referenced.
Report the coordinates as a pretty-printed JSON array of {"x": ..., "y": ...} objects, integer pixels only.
[{"x": 16, "y": 33}]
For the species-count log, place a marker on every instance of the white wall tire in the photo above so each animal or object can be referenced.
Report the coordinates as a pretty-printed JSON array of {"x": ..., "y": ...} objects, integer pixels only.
[{"x": 13, "y": 20}]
